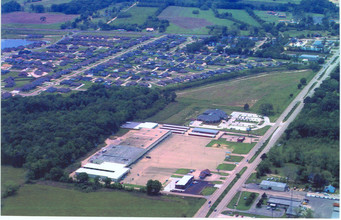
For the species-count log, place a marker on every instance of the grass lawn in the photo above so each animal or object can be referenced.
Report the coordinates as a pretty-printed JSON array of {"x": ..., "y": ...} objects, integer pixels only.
[
  {"x": 272, "y": 18},
  {"x": 234, "y": 159},
  {"x": 241, "y": 204},
  {"x": 11, "y": 174},
  {"x": 182, "y": 171},
  {"x": 220, "y": 173},
  {"x": 176, "y": 176},
  {"x": 42, "y": 200},
  {"x": 208, "y": 191},
  {"x": 139, "y": 16},
  {"x": 216, "y": 182},
  {"x": 244, "y": 214},
  {"x": 241, "y": 15},
  {"x": 233, "y": 201},
  {"x": 236, "y": 147},
  {"x": 226, "y": 166},
  {"x": 277, "y": 1}
]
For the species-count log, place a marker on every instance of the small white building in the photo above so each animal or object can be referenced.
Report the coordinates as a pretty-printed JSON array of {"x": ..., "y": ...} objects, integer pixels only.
[
  {"x": 114, "y": 171},
  {"x": 184, "y": 182},
  {"x": 149, "y": 29}
]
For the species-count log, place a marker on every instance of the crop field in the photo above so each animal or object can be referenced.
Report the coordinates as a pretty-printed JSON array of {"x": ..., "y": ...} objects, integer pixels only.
[
  {"x": 45, "y": 3},
  {"x": 34, "y": 18},
  {"x": 182, "y": 18},
  {"x": 241, "y": 15},
  {"x": 139, "y": 16},
  {"x": 42, "y": 200}
]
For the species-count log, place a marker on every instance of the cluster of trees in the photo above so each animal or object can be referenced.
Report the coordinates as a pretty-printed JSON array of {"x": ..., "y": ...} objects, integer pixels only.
[
  {"x": 250, "y": 199},
  {"x": 243, "y": 47},
  {"x": 47, "y": 133},
  {"x": 37, "y": 8},
  {"x": 311, "y": 142},
  {"x": 10, "y": 7}
]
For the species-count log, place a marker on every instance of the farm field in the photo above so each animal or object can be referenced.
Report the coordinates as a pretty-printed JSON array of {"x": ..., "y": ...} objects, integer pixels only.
[
  {"x": 45, "y": 3},
  {"x": 241, "y": 15},
  {"x": 34, "y": 18},
  {"x": 42, "y": 200},
  {"x": 11, "y": 174},
  {"x": 181, "y": 18},
  {"x": 139, "y": 16}
]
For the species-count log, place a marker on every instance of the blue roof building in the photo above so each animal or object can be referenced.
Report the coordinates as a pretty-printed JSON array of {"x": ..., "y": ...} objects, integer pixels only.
[
  {"x": 330, "y": 189},
  {"x": 212, "y": 116}
]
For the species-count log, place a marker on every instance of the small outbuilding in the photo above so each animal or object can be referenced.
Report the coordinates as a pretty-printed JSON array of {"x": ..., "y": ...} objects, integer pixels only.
[
  {"x": 330, "y": 189},
  {"x": 205, "y": 173},
  {"x": 276, "y": 186}
]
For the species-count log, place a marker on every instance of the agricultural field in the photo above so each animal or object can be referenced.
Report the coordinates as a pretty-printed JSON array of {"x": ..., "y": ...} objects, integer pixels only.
[
  {"x": 43, "y": 200},
  {"x": 139, "y": 16},
  {"x": 182, "y": 18},
  {"x": 241, "y": 15}
]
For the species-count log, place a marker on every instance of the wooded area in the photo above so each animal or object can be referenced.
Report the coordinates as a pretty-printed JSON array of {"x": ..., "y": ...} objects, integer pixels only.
[
  {"x": 48, "y": 132},
  {"x": 312, "y": 140}
]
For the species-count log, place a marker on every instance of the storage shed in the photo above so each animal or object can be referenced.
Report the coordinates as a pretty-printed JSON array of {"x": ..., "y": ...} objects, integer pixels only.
[{"x": 276, "y": 186}]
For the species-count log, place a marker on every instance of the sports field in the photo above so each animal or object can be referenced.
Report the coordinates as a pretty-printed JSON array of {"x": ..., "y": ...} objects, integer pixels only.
[
  {"x": 42, "y": 200},
  {"x": 139, "y": 16},
  {"x": 177, "y": 151}
]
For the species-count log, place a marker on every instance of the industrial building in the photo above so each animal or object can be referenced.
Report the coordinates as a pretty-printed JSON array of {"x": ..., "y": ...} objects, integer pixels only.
[
  {"x": 309, "y": 57},
  {"x": 114, "y": 171},
  {"x": 276, "y": 186},
  {"x": 212, "y": 116},
  {"x": 291, "y": 205},
  {"x": 184, "y": 182}
]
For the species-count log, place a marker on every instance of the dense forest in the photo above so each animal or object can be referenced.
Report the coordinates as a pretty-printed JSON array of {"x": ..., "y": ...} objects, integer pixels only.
[
  {"x": 49, "y": 132},
  {"x": 311, "y": 142}
]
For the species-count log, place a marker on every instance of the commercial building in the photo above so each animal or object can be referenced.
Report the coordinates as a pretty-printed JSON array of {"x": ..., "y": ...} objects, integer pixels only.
[
  {"x": 184, "y": 182},
  {"x": 290, "y": 205},
  {"x": 114, "y": 171},
  {"x": 212, "y": 116},
  {"x": 309, "y": 57},
  {"x": 205, "y": 173},
  {"x": 205, "y": 131},
  {"x": 276, "y": 186}
]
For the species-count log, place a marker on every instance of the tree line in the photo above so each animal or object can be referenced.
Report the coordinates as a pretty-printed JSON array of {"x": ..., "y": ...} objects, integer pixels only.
[
  {"x": 311, "y": 142},
  {"x": 46, "y": 133}
]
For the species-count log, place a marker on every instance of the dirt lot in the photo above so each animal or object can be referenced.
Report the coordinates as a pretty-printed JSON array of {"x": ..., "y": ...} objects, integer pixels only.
[
  {"x": 234, "y": 138},
  {"x": 176, "y": 152},
  {"x": 34, "y": 18}
]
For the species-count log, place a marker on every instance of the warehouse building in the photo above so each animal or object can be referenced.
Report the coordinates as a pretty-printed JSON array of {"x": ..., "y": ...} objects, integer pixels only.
[
  {"x": 205, "y": 131},
  {"x": 114, "y": 171},
  {"x": 184, "y": 182},
  {"x": 276, "y": 186},
  {"x": 309, "y": 57},
  {"x": 212, "y": 116}
]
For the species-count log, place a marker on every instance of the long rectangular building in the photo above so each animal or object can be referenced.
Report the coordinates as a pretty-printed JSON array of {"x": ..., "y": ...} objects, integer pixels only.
[
  {"x": 184, "y": 182},
  {"x": 205, "y": 131}
]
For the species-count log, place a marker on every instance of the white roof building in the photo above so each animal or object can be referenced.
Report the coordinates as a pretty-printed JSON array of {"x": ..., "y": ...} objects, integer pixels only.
[
  {"x": 114, "y": 171},
  {"x": 150, "y": 125}
]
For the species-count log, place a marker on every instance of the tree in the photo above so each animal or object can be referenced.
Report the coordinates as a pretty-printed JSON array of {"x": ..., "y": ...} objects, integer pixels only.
[
  {"x": 291, "y": 95},
  {"x": 10, "y": 188},
  {"x": 264, "y": 196},
  {"x": 264, "y": 156},
  {"x": 82, "y": 177},
  {"x": 303, "y": 81},
  {"x": 153, "y": 187},
  {"x": 195, "y": 12},
  {"x": 266, "y": 109},
  {"x": 107, "y": 182},
  {"x": 299, "y": 86},
  {"x": 42, "y": 18},
  {"x": 10, "y": 7},
  {"x": 246, "y": 107}
]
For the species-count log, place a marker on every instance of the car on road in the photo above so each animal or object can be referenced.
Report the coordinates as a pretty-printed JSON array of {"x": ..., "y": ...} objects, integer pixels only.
[{"x": 209, "y": 202}]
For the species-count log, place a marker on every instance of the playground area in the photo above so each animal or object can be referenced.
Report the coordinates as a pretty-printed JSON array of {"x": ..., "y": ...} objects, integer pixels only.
[{"x": 177, "y": 151}]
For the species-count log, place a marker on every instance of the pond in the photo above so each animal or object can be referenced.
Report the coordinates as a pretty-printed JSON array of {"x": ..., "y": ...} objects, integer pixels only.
[{"x": 7, "y": 43}]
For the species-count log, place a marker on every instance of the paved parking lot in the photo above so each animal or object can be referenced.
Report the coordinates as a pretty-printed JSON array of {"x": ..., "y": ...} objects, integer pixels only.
[{"x": 323, "y": 208}]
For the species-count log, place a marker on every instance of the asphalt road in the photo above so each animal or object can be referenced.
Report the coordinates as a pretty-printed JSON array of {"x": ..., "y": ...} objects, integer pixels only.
[
  {"x": 277, "y": 130},
  {"x": 75, "y": 73}
]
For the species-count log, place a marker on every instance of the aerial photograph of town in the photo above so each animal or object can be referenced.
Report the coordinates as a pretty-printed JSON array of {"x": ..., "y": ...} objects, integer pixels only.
[{"x": 170, "y": 108}]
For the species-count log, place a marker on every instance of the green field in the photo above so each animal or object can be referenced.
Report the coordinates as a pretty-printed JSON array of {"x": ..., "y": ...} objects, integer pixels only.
[
  {"x": 208, "y": 191},
  {"x": 234, "y": 159},
  {"x": 182, "y": 171},
  {"x": 226, "y": 166},
  {"x": 11, "y": 174},
  {"x": 42, "y": 200},
  {"x": 139, "y": 16},
  {"x": 274, "y": 1},
  {"x": 241, "y": 15},
  {"x": 272, "y": 18},
  {"x": 173, "y": 13},
  {"x": 241, "y": 204},
  {"x": 33, "y": 26},
  {"x": 236, "y": 147}
]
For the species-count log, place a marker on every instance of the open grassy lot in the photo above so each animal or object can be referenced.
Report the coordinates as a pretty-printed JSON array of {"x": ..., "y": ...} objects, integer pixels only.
[
  {"x": 272, "y": 18},
  {"x": 241, "y": 15},
  {"x": 241, "y": 204},
  {"x": 11, "y": 174},
  {"x": 208, "y": 191},
  {"x": 234, "y": 159},
  {"x": 139, "y": 16},
  {"x": 226, "y": 166},
  {"x": 182, "y": 171},
  {"x": 276, "y": 1},
  {"x": 235, "y": 147},
  {"x": 42, "y": 200},
  {"x": 182, "y": 20}
]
